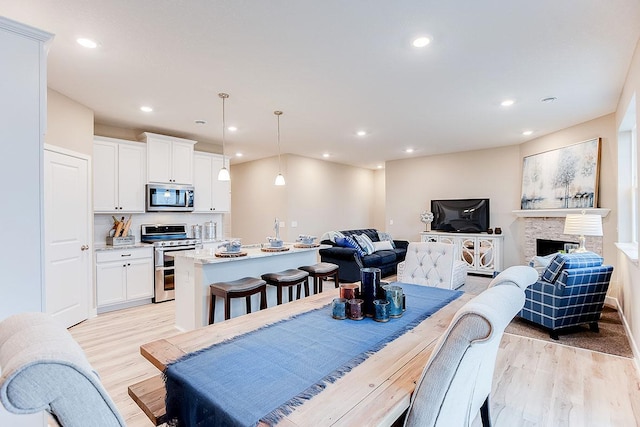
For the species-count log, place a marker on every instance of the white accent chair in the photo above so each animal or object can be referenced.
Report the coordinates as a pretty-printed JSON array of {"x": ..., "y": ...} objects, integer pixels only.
[
  {"x": 433, "y": 264},
  {"x": 456, "y": 382},
  {"x": 44, "y": 369}
]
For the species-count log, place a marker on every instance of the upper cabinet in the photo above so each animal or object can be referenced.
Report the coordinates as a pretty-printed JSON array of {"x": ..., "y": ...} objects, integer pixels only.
[
  {"x": 118, "y": 175},
  {"x": 210, "y": 195},
  {"x": 169, "y": 159}
]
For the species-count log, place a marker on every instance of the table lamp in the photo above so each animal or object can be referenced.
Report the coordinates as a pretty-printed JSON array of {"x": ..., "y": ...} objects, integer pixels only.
[{"x": 583, "y": 225}]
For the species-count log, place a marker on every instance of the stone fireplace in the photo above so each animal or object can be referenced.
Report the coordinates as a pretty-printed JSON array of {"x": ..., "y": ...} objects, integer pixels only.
[{"x": 552, "y": 228}]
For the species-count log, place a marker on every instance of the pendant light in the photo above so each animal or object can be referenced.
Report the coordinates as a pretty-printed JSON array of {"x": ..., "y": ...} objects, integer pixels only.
[
  {"x": 279, "y": 178},
  {"x": 223, "y": 175}
]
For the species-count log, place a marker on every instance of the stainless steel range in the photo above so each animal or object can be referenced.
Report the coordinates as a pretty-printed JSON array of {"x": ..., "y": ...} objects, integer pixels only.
[{"x": 166, "y": 238}]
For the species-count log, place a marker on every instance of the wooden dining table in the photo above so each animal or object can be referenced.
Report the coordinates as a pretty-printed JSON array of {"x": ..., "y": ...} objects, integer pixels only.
[{"x": 376, "y": 392}]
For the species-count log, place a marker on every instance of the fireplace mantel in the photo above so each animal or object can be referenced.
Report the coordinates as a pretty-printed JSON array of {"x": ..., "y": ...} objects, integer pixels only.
[{"x": 558, "y": 213}]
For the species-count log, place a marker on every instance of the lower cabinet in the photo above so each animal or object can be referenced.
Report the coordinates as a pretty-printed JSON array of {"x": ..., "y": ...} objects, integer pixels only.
[
  {"x": 124, "y": 278},
  {"x": 482, "y": 252}
]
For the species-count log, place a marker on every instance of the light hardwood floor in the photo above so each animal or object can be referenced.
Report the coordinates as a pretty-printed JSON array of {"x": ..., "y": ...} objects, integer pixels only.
[{"x": 536, "y": 383}]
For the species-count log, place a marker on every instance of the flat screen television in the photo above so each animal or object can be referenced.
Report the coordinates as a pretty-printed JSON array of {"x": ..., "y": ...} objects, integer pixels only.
[{"x": 460, "y": 215}]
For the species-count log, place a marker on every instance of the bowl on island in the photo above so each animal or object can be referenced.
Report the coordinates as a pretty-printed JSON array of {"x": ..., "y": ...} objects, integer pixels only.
[
  {"x": 305, "y": 239},
  {"x": 274, "y": 242},
  {"x": 232, "y": 246}
]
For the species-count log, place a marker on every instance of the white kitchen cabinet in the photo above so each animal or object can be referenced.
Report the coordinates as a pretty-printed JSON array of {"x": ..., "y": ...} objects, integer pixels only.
[
  {"x": 124, "y": 277},
  {"x": 169, "y": 159},
  {"x": 118, "y": 175},
  {"x": 210, "y": 195},
  {"x": 482, "y": 252}
]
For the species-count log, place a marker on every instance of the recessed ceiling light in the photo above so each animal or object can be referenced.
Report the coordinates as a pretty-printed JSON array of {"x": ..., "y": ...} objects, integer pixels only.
[
  {"x": 325, "y": 155},
  {"x": 232, "y": 128},
  {"x": 409, "y": 150},
  {"x": 507, "y": 102},
  {"x": 239, "y": 154},
  {"x": 421, "y": 42},
  {"x": 379, "y": 166},
  {"x": 361, "y": 133},
  {"x": 527, "y": 132},
  {"x": 199, "y": 122},
  {"x": 549, "y": 99},
  {"x": 146, "y": 109},
  {"x": 88, "y": 43}
]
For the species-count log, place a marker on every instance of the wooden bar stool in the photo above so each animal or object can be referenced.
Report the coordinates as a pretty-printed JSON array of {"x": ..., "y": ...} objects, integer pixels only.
[
  {"x": 244, "y": 287},
  {"x": 321, "y": 271},
  {"x": 288, "y": 278}
]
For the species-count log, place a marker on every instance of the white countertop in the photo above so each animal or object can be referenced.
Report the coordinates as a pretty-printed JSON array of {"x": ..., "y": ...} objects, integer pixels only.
[
  {"x": 104, "y": 247},
  {"x": 208, "y": 255}
]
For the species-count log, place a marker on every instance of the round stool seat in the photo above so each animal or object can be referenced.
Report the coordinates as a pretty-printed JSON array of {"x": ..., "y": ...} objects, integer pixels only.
[
  {"x": 287, "y": 278},
  {"x": 244, "y": 287},
  {"x": 322, "y": 270},
  {"x": 240, "y": 285}
]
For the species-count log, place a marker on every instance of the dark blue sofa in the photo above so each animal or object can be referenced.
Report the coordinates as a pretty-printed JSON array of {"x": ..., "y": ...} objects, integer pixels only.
[{"x": 350, "y": 262}]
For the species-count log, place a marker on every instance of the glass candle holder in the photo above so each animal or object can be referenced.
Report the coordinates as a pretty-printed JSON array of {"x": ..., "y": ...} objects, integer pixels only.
[
  {"x": 395, "y": 296},
  {"x": 339, "y": 308},
  {"x": 369, "y": 284},
  {"x": 355, "y": 309},
  {"x": 381, "y": 310}
]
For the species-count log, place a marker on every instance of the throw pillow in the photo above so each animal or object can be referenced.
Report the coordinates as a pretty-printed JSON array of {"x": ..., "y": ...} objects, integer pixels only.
[
  {"x": 383, "y": 245},
  {"x": 365, "y": 243},
  {"x": 348, "y": 242},
  {"x": 386, "y": 236},
  {"x": 331, "y": 235}
]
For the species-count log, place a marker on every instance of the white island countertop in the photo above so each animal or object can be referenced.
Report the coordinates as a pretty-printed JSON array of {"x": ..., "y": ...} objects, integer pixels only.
[{"x": 208, "y": 255}]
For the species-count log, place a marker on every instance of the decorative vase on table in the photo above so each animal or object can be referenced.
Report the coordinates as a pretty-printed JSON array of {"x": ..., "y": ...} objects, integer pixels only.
[
  {"x": 369, "y": 284},
  {"x": 426, "y": 218}
]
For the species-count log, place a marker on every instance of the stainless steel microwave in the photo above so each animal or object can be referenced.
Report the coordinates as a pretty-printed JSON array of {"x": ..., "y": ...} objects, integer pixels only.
[{"x": 169, "y": 198}]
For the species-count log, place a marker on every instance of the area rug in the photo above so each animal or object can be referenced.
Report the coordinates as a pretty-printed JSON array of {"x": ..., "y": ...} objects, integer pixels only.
[{"x": 611, "y": 339}]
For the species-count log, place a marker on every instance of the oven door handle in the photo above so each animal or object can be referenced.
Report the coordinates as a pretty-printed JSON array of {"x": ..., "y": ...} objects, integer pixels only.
[{"x": 164, "y": 268}]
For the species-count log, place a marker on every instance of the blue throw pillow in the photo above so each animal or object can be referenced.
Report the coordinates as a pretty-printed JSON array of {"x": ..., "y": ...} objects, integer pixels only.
[{"x": 348, "y": 242}]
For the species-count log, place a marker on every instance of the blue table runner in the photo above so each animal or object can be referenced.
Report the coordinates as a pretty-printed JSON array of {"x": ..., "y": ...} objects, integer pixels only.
[{"x": 264, "y": 374}]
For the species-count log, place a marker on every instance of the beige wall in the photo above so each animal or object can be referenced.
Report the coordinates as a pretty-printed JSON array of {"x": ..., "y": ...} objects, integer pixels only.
[
  {"x": 319, "y": 196},
  {"x": 69, "y": 124},
  {"x": 629, "y": 274},
  {"x": 379, "y": 200},
  {"x": 411, "y": 184}
]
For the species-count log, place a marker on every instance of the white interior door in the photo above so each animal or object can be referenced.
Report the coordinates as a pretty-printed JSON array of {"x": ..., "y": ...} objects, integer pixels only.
[{"x": 66, "y": 231}]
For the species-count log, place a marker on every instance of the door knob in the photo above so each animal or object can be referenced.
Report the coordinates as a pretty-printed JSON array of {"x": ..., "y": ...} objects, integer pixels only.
[{"x": 84, "y": 247}]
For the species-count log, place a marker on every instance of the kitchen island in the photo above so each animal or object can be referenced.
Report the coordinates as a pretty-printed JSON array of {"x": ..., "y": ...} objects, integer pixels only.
[{"x": 196, "y": 269}]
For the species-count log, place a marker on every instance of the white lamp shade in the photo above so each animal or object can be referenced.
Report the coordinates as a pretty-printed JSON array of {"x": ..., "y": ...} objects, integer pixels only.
[
  {"x": 223, "y": 175},
  {"x": 279, "y": 179},
  {"x": 583, "y": 225}
]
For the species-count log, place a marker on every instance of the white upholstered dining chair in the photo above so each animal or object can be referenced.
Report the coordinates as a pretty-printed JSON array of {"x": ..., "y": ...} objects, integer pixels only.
[
  {"x": 44, "y": 369},
  {"x": 456, "y": 382},
  {"x": 432, "y": 264}
]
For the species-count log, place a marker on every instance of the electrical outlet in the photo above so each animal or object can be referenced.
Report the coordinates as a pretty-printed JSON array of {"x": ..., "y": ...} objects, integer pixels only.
[
  {"x": 282, "y": 224},
  {"x": 390, "y": 222},
  {"x": 294, "y": 224}
]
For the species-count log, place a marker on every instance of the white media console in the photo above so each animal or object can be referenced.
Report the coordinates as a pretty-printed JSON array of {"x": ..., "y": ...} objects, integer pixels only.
[{"x": 481, "y": 251}]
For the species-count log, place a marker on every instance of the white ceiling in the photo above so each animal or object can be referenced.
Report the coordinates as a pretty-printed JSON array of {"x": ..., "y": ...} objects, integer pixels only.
[{"x": 337, "y": 66}]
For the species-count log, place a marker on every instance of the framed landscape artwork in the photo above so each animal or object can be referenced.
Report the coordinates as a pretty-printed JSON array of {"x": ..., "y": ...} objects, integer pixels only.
[{"x": 562, "y": 178}]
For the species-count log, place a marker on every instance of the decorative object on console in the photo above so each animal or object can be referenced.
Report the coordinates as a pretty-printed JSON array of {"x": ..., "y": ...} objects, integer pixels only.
[
  {"x": 279, "y": 178},
  {"x": 498, "y": 230},
  {"x": 572, "y": 170},
  {"x": 223, "y": 175},
  {"x": 426, "y": 217},
  {"x": 583, "y": 225}
]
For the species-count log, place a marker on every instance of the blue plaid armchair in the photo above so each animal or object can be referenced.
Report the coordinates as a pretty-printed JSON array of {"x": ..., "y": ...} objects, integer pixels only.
[{"x": 571, "y": 291}]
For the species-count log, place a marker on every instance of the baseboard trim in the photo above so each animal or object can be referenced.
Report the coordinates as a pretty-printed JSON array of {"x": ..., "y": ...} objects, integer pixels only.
[{"x": 634, "y": 347}]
